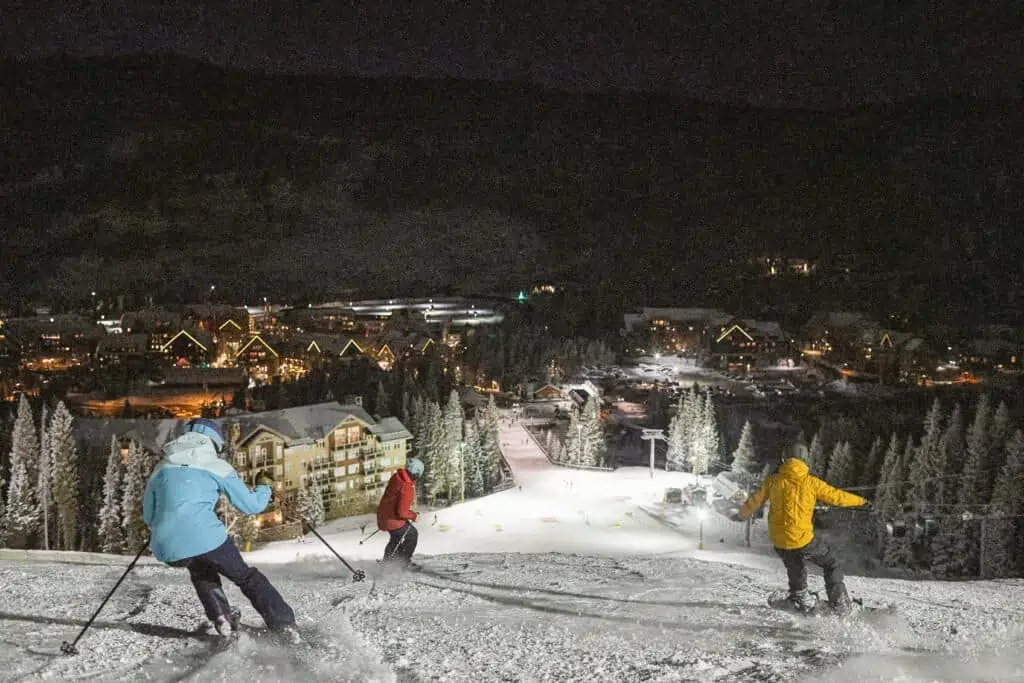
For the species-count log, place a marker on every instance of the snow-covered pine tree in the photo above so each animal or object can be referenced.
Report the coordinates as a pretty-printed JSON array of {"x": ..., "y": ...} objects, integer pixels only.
[
  {"x": 490, "y": 440},
  {"x": 65, "y": 475},
  {"x": 310, "y": 505},
  {"x": 676, "y": 456},
  {"x": 593, "y": 450},
  {"x": 22, "y": 508},
  {"x": 706, "y": 443},
  {"x": 869, "y": 474},
  {"x": 432, "y": 452},
  {"x": 840, "y": 465},
  {"x": 817, "y": 460},
  {"x": 972, "y": 480},
  {"x": 111, "y": 538},
  {"x": 1000, "y": 545},
  {"x": 999, "y": 431},
  {"x": 888, "y": 493},
  {"x": 44, "y": 485},
  {"x": 924, "y": 468},
  {"x": 406, "y": 410},
  {"x": 382, "y": 404},
  {"x": 473, "y": 457},
  {"x": 133, "y": 489},
  {"x": 555, "y": 454},
  {"x": 950, "y": 458},
  {"x": 454, "y": 418},
  {"x": 573, "y": 439},
  {"x": 744, "y": 459}
]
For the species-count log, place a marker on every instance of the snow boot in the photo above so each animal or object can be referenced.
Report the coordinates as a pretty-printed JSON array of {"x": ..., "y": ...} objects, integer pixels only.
[
  {"x": 227, "y": 624},
  {"x": 289, "y": 635},
  {"x": 841, "y": 603},
  {"x": 803, "y": 600}
]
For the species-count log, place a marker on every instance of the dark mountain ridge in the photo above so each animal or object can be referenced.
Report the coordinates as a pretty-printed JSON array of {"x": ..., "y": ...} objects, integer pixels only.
[{"x": 111, "y": 165}]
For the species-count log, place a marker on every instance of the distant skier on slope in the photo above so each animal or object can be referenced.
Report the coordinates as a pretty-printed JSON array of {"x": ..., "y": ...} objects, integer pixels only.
[
  {"x": 792, "y": 493},
  {"x": 395, "y": 514},
  {"x": 179, "y": 506}
]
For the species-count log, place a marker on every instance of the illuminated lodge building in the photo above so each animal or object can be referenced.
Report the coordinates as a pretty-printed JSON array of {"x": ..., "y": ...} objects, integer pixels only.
[{"x": 338, "y": 448}]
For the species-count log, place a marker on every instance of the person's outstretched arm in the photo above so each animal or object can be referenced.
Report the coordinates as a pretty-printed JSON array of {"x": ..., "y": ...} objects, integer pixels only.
[
  {"x": 755, "y": 501},
  {"x": 836, "y": 497},
  {"x": 247, "y": 502}
]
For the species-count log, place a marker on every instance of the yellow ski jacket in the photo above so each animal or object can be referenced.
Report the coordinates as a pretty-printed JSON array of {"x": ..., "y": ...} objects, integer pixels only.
[{"x": 792, "y": 494}]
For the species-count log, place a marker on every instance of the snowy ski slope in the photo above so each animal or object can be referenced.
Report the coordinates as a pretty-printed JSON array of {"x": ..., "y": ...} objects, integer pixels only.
[{"x": 568, "y": 579}]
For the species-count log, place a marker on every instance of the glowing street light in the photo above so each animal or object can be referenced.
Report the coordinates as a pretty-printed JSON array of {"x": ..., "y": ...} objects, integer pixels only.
[{"x": 702, "y": 514}]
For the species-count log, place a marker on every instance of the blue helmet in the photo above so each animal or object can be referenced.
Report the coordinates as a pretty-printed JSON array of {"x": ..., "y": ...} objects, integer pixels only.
[
  {"x": 207, "y": 428},
  {"x": 414, "y": 466}
]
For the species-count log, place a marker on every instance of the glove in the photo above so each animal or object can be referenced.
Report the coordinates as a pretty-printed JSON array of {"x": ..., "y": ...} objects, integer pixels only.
[
  {"x": 264, "y": 479},
  {"x": 867, "y": 506},
  {"x": 736, "y": 517}
]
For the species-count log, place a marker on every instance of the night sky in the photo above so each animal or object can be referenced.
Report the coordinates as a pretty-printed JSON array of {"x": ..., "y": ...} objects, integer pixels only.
[{"x": 764, "y": 52}]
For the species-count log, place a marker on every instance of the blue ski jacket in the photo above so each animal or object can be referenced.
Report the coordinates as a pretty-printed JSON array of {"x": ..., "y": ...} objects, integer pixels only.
[{"x": 181, "y": 496}]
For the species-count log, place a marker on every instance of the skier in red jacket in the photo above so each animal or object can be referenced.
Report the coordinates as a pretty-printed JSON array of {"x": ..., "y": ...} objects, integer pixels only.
[{"x": 395, "y": 514}]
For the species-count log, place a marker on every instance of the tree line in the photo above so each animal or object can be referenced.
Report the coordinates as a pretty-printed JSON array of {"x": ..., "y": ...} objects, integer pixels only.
[{"x": 583, "y": 443}]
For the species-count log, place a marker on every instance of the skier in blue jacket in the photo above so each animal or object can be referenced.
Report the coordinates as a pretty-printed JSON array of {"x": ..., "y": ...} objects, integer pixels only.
[{"x": 178, "y": 507}]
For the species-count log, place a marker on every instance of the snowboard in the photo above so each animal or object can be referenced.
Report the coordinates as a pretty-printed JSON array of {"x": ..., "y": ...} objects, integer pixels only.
[{"x": 823, "y": 608}]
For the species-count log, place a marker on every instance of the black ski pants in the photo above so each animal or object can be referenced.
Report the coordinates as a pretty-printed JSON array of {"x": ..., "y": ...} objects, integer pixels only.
[
  {"x": 225, "y": 560},
  {"x": 402, "y": 544},
  {"x": 818, "y": 552}
]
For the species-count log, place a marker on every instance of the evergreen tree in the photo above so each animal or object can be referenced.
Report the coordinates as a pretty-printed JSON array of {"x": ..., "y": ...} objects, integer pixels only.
[
  {"x": 22, "y": 508},
  {"x": 136, "y": 475},
  {"x": 473, "y": 458},
  {"x": 950, "y": 459},
  {"x": 973, "y": 481},
  {"x": 571, "y": 453},
  {"x": 432, "y": 452},
  {"x": 593, "y": 449},
  {"x": 840, "y": 466},
  {"x": 925, "y": 467},
  {"x": 676, "y": 456},
  {"x": 744, "y": 459},
  {"x": 44, "y": 485},
  {"x": 706, "y": 441},
  {"x": 1000, "y": 546},
  {"x": 382, "y": 404},
  {"x": 999, "y": 430},
  {"x": 817, "y": 460},
  {"x": 310, "y": 505},
  {"x": 231, "y": 518},
  {"x": 869, "y": 475},
  {"x": 888, "y": 496},
  {"x": 65, "y": 475},
  {"x": 454, "y": 418},
  {"x": 111, "y": 537},
  {"x": 406, "y": 410}
]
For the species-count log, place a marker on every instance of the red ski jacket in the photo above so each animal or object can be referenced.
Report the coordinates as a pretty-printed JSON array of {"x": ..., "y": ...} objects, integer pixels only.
[{"x": 395, "y": 505}]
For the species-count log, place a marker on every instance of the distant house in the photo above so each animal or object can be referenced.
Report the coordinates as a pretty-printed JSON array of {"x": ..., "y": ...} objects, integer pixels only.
[
  {"x": 260, "y": 357},
  {"x": 120, "y": 349},
  {"x": 548, "y": 392},
  {"x": 189, "y": 347},
  {"x": 749, "y": 343}
]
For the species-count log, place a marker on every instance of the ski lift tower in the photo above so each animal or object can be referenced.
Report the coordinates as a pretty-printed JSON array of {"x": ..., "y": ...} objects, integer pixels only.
[{"x": 653, "y": 435}]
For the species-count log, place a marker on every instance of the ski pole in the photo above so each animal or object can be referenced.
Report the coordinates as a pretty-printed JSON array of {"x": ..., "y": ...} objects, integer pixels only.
[
  {"x": 369, "y": 537},
  {"x": 69, "y": 648},
  {"x": 357, "y": 574},
  {"x": 400, "y": 542}
]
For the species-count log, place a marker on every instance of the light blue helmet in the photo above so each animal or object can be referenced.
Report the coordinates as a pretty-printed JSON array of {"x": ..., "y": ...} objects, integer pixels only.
[
  {"x": 414, "y": 466},
  {"x": 207, "y": 428}
]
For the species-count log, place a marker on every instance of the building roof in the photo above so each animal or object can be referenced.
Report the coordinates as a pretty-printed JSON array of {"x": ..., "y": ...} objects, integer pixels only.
[
  {"x": 196, "y": 336},
  {"x": 204, "y": 376},
  {"x": 308, "y": 424},
  {"x": 150, "y": 319},
  {"x": 327, "y": 344}
]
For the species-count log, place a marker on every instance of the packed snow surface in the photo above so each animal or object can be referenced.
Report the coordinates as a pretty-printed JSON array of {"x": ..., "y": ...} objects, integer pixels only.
[{"x": 579, "y": 576}]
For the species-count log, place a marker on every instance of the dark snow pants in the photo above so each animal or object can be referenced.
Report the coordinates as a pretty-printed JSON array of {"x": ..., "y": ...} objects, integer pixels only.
[
  {"x": 402, "y": 544},
  {"x": 818, "y": 552},
  {"x": 225, "y": 560}
]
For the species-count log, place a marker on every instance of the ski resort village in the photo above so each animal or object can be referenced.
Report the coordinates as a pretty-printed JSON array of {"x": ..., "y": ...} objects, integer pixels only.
[{"x": 579, "y": 502}]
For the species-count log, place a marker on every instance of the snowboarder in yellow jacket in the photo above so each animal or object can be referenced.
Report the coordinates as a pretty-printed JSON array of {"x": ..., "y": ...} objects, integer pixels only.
[{"x": 792, "y": 493}]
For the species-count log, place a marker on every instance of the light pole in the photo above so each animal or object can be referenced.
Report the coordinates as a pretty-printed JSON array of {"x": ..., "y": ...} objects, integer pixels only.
[{"x": 654, "y": 435}]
